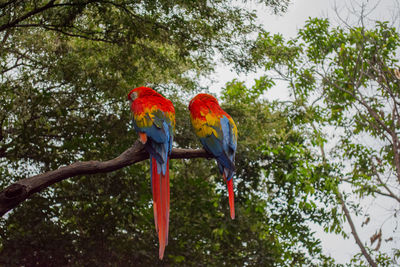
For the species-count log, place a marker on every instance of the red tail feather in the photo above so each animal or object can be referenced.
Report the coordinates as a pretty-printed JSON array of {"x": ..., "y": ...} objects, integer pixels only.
[
  {"x": 231, "y": 197},
  {"x": 155, "y": 182},
  {"x": 167, "y": 178},
  {"x": 161, "y": 205}
]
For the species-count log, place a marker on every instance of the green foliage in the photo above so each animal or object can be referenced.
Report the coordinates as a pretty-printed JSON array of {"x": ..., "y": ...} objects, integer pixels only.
[
  {"x": 281, "y": 173},
  {"x": 65, "y": 71},
  {"x": 344, "y": 88},
  {"x": 108, "y": 219}
]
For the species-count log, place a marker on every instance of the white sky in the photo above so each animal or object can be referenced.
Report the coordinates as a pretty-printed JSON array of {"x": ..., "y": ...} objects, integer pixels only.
[{"x": 287, "y": 25}]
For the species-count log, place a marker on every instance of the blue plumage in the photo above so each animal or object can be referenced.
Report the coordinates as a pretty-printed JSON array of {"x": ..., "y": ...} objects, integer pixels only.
[
  {"x": 160, "y": 141},
  {"x": 154, "y": 121},
  {"x": 222, "y": 147},
  {"x": 218, "y": 134}
]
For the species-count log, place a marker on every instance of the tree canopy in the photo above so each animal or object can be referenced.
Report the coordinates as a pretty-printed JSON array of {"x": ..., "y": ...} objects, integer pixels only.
[
  {"x": 344, "y": 85},
  {"x": 65, "y": 70}
]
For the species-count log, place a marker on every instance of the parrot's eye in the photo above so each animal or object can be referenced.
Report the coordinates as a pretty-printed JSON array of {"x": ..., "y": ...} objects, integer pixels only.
[{"x": 133, "y": 96}]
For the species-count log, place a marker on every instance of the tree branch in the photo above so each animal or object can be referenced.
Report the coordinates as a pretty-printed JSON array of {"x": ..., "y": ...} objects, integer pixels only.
[
  {"x": 390, "y": 192},
  {"x": 27, "y": 15},
  {"x": 17, "y": 192},
  {"x": 354, "y": 232}
]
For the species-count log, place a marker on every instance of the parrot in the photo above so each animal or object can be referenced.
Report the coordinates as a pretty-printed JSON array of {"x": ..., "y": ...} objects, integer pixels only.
[
  {"x": 154, "y": 121},
  {"x": 218, "y": 134}
]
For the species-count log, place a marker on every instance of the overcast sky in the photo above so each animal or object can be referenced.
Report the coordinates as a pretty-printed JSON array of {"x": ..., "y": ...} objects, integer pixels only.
[
  {"x": 299, "y": 11},
  {"x": 288, "y": 25}
]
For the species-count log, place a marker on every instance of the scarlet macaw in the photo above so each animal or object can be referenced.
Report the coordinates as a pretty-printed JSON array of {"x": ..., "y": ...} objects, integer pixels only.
[
  {"x": 218, "y": 134},
  {"x": 154, "y": 121}
]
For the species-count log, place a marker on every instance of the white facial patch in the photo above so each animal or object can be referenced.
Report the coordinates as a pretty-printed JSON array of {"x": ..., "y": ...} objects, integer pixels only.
[{"x": 133, "y": 95}]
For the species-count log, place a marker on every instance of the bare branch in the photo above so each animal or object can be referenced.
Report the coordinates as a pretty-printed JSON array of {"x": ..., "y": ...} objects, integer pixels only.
[
  {"x": 390, "y": 192},
  {"x": 370, "y": 189},
  {"x": 16, "y": 64},
  {"x": 16, "y": 193},
  {"x": 354, "y": 232}
]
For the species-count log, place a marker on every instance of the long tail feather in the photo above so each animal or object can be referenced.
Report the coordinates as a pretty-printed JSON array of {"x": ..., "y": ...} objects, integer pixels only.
[
  {"x": 229, "y": 183},
  {"x": 163, "y": 232},
  {"x": 161, "y": 219},
  {"x": 160, "y": 184},
  {"x": 154, "y": 184},
  {"x": 167, "y": 178}
]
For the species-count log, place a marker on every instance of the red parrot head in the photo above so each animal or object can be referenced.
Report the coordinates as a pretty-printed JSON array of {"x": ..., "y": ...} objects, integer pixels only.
[
  {"x": 141, "y": 91},
  {"x": 202, "y": 98}
]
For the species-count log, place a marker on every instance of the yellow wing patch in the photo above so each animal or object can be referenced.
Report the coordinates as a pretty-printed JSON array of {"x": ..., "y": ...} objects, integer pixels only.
[
  {"x": 234, "y": 128},
  {"x": 204, "y": 128},
  {"x": 171, "y": 117},
  {"x": 144, "y": 119},
  {"x": 210, "y": 123}
]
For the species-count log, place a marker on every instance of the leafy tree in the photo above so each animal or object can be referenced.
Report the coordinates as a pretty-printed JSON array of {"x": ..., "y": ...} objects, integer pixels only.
[
  {"x": 344, "y": 85},
  {"x": 108, "y": 219},
  {"x": 65, "y": 70},
  {"x": 278, "y": 168}
]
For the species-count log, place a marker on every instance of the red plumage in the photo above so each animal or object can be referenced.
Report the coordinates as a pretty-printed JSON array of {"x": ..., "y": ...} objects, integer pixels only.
[
  {"x": 154, "y": 120},
  {"x": 218, "y": 134}
]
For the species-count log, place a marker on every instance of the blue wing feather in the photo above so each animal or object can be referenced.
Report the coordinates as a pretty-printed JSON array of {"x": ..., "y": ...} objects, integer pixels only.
[
  {"x": 160, "y": 140},
  {"x": 212, "y": 144},
  {"x": 223, "y": 147}
]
